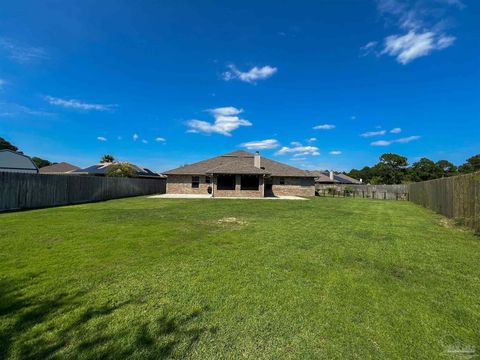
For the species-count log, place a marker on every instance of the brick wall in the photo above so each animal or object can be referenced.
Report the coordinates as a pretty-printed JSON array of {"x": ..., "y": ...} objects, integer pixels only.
[
  {"x": 294, "y": 186},
  {"x": 182, "y": 184}
]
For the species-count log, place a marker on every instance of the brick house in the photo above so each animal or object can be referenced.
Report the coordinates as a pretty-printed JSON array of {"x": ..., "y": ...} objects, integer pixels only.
[{"x": 240, "y": 173}]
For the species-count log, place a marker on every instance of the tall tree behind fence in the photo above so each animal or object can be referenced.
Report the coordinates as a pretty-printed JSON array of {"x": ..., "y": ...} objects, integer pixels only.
[
  {"x": 28, "y": 191},
  {"x": 456, "y": 197},
  {"x": 381, "y": 192}
]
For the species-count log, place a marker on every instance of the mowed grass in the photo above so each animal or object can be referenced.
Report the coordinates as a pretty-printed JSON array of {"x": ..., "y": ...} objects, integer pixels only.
[{"x": 228, "y": 279}]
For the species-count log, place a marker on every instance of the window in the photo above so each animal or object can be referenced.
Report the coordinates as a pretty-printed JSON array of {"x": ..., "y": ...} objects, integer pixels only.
[
  {"x": 281, "y": 181},
  {"x": 207, "y": 180},
  {"x": 226, "y": 182},
  {"x": 307, "y": 182},
  {"x": 195, "y": 182},
  {"x": 249, "y": 182}
]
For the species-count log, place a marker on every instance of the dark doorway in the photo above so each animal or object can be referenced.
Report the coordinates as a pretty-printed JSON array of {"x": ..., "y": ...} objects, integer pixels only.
[
  {"x": 268, "y": 186},
  {"x": 226, "y": 182}
]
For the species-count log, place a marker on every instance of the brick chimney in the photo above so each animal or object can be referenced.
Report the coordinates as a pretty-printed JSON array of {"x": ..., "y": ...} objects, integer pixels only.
[{"x": 256, "y": 160}]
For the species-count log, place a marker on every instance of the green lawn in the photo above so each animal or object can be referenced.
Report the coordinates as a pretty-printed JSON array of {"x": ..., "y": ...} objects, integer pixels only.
[{"x": 153, "y": 278}]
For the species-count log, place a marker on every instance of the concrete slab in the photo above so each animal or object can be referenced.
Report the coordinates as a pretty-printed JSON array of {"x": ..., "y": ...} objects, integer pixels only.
[{"x": 194, "y": 196}]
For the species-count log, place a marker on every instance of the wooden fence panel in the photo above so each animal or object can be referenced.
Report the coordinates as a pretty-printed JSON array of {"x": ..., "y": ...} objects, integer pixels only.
[
  {"x": 381, "y": 192},
  {"x": 29, "y": 191},
  {"x": 456, "y": 197}
]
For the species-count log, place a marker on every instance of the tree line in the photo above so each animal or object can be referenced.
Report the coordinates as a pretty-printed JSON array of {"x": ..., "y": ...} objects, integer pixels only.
[{"x": 394, "y": 169}]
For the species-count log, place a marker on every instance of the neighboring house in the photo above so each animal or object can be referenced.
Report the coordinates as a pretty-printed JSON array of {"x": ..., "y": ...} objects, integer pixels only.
[
  {"x": 11, "y": 161},
  {"x": 325, "y": 179},
  {"x": 60, "y": 168},
  {"x": 101, "y": 170},
  {"x": 240, "y": 173}
]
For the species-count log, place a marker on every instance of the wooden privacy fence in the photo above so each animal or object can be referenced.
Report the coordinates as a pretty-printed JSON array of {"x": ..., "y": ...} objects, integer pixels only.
[
  {"x": 28, "y": 191},
  {"x": 382, "y": 192},
  {"x": 456, "y": 197}
]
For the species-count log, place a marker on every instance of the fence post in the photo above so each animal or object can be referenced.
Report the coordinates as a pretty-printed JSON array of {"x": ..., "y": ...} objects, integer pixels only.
[{"x": 384, "y": 195}]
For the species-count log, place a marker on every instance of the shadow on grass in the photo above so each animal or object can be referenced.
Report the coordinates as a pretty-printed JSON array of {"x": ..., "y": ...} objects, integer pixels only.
[{"x": 36, "y": 327}]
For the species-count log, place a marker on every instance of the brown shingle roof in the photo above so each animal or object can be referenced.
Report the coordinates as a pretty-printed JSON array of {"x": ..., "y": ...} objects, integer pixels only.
[
  {"x": 238, "y": 162},
  {"x": 62, "y": 167}
]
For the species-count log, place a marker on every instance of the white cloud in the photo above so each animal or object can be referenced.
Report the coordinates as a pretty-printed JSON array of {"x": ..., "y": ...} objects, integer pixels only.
[
  {"x": 298, "y": 159},
  {"x": 2, "y": 83},
  {"x": 21, "y": 53},
  {"x": 144, "y": 141},
  {"x": 381, "y": 143},
  {"x": 335, "y": 152},
  {"x": 410, "y": 46},
  {"x": 421, "y": 27},
  {"x": 368, "y": 48},
  {"x": 396, "y": 130},
  {"x": 160, "y": 139},
  {"x": 226, "y": 120},
  {"x": 12, "y": 109},
  {"x": 135, "y": 137},
  {"x": 373, "y": 133},
  {"x": 389, "y": 142},
  {"x": 324, "y": 127},
  {"x": 261, "y": 144},
  {"x": 299, "y": 150},
  {"x": 250, "y": 76},
  {"x": 407, "y": 139},
  {"x": 312, "y": 139},
  {"x": 101, "y": 138},
  {"x": 78, "y": 105}
]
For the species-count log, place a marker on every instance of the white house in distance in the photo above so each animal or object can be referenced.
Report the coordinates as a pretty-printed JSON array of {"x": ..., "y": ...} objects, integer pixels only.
[{"x": 11, "y": 161}]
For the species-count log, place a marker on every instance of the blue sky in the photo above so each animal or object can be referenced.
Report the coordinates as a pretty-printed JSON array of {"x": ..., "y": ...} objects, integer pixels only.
[{"x": 314, "y": 84}]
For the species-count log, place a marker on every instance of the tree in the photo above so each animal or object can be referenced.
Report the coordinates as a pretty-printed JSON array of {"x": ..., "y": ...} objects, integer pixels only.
[
  {"x": 6, "y": 145},
  {"x": 107, "y": 159},
  {"x": 40, "y": 162},
  {"x": 391, "y": 168},
  {"x": 121, "y": 170},
  {"x": 472, "y": 164},
  {"x": 474, "y": 161},
  {"x": 422, "y": 170},
  {"x": 445, "y": 168}
]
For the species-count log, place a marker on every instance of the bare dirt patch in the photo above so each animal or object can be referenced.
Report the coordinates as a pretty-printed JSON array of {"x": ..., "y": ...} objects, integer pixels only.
[{"x": 231, "y": 221}]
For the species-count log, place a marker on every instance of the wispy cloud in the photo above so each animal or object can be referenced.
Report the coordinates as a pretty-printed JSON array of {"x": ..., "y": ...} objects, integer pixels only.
[
  {"x": 78, "y": 105},
  {"x": 145, "y": 141},
  {"x": 324, "y": 127},
  {"x": 335, "y": 152},
  {"x": 390, "y": 142},
  {"x": 2, "y": 84},
  {"x": 412, "y": 45},
  {"x": 135, "y": 137},
  {"x": 250, "y": 76},
  {"x": 396, "y": 130},
  {"x": 101, "y": 138},
  {"x": 160, "y": 139},
  {"x": 421, "y": 29},
  {"x": 312, "y": 139},
  {"x": 12, "y": 109},
  {"x": 368, "y": 48},
  {"x": 226, "y": 121},
  {"x": 298, "y": 150},
  {"x": 373, "y": 133},
  {"x": 261, "y": 144},
  {"x": 22, "y": 53}
]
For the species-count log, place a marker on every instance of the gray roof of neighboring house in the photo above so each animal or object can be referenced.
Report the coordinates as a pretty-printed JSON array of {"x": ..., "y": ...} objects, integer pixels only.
[
  {"x": 239, "y": 162},
  {"x": 101, "y": 169},
  {"x": 338, "y": 178},
  {"x": 15, "y": 160},
  {"x": 60, "y": 168}
]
